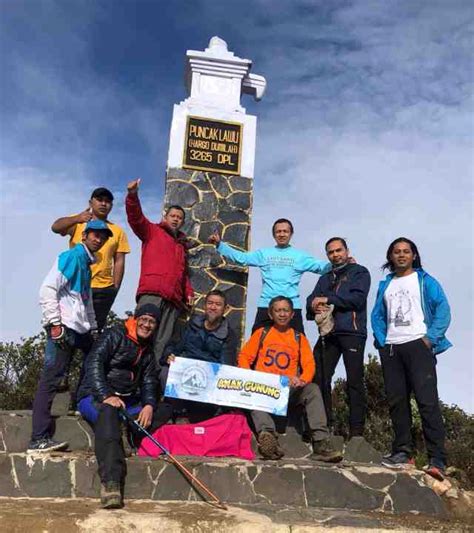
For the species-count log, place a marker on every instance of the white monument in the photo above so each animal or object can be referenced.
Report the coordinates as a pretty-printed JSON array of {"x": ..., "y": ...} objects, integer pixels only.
[{"x": 210, "y": 167}]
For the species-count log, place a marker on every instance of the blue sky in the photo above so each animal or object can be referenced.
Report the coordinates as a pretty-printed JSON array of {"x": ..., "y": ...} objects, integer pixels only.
[{"x": 365, "y": 131}]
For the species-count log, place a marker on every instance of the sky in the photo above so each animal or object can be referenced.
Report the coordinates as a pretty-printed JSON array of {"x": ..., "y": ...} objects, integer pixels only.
[{"x": 365, "y": 132}]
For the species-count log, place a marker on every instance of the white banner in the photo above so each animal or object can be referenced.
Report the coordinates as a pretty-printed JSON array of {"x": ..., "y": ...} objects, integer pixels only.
[{"x": 190, "y": 379}]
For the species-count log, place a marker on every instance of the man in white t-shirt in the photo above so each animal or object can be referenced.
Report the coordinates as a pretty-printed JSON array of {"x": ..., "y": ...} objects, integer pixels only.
[{"x": 410, "y": 319}]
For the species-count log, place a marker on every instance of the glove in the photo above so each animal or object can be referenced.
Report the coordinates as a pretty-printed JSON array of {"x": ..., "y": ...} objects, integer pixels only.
[{"x": 57, "y": 333}]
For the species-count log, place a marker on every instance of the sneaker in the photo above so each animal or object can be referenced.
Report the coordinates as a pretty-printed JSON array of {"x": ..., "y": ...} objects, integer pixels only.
[
  {"x": 268, "y": 446},
  {"x": 111, "y": 495},
  {"x": 398, "y": 461},
  {"x": 436, "y": 469},
  {"x": 46, "y": 445},
  {"x": 323, "y": 451}
]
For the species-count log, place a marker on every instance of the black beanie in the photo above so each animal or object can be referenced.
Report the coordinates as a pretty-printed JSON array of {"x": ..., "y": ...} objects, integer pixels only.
[{"x": 148, "y": 309}]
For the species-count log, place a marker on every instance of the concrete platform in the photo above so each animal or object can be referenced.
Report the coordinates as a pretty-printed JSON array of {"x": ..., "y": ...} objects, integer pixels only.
[{"x": 295, "y": 481}]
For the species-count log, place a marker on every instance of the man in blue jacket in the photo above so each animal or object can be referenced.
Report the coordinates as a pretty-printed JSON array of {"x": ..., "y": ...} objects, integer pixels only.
[
  {"x": 281, "y": 267},
  {"x": 410, "y": 319},
  {"x": 206, "y": 337},
  {"x": 345, "y": 288}
]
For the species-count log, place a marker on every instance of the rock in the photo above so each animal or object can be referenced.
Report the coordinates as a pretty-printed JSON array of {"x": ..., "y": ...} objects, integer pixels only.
[
  {"x": 87, "y": 482},
  {"x": 43, "y": 476},
  {"x": 171, "y": 485},
  {"x": 439, "y": 487},
  {"x": 327, "y": 487},
  {"x": 179, "y": 174},
  {"x": 239, "y": 183},
  {"x": 181, "y": 193},
  {"x": 220, "y": 184},
  {"x": 190, "y": 228},
  {"x": 377, "y": 481},
  {"x": 236, "y": 234},
  {"x": 206, "y": 209},
  {"x": 15, "y": 431},
  {"x": 76, "y": 432},
  {"x": 207, "y": 229},
  {"x": 139, "y": 482},
  {"x": 280, "y": 486},
  {"x": 201, "y": 281},
  {"x": 232, "y": 275},
  {"x": 235, "y": 295},
  {"x": 358, "y": 450},
  {"x": 228, "y": 483},
  {"x": 204, "y": 256},
  {"x": 7, "y": 485},
  {"x": 408, "y": 495},
  {"x": 200, "y": 180},
  {"x": 337, "y": 442},
  {"x": 228, "y": 215},
  {"x": 235, "y": 321},
  {"x": 240, "y": 200},
  {"x": 61, "y": 403}
]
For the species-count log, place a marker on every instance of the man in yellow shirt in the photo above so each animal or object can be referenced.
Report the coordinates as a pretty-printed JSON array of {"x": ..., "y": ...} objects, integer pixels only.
[{"x": 107, "y": 271}]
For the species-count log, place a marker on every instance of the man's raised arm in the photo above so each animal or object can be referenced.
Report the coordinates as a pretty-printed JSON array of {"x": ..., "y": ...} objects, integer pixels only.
[
  {"x": 66, "y": 225},
  {"x": 137, "y": 220}
]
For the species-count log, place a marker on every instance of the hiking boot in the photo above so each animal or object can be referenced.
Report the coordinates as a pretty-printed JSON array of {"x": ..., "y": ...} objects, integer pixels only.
[
  {"x": 268, "y": 446},
  {"x": 46, "y": 445},
  {"x": 110, "y": 495},
  {"x": 436, "y": 469},
  {"x": 324, "y": 451},
  {"x": 398, "y": 461}
]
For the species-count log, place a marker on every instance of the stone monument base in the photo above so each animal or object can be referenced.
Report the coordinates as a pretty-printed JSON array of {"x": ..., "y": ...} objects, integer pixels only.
[{"x": 295, "y": 482}]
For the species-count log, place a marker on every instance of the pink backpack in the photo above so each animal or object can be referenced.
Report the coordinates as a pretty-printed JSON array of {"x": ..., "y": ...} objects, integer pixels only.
[{"x": 222, "y": 436}]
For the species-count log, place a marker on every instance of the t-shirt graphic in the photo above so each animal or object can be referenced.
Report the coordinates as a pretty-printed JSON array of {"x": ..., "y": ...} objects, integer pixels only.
[
  {"x": 401, "y": 302},
  {"x": 405, "y": 314}
]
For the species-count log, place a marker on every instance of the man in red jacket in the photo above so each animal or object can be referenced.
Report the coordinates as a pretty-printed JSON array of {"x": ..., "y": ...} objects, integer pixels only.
[{"x": 164, "y": 279}]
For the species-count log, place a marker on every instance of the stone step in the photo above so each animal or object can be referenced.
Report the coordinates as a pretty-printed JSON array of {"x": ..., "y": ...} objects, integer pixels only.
[
  {"x": 15, "y": 432},
  {"x": 298, "y": 483}
]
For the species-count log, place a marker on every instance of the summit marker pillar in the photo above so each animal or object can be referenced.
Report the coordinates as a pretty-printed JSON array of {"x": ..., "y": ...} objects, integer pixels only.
[{"x": 210, "y": 168}]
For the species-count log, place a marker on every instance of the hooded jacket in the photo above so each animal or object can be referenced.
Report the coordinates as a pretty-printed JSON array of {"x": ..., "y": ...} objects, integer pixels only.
[
  {"x": 65, "y": 294},
  {"x": 214, "y": 346},
  {"x": 163, "y": 263},
  {"x": 435, "y": 308},
  {"x": 118, "y": 363},
  {"x": 347, "y": 289}
]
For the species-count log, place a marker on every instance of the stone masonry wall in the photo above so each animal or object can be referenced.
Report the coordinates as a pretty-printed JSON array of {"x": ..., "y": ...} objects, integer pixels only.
[{"x": 214, "y": 202}]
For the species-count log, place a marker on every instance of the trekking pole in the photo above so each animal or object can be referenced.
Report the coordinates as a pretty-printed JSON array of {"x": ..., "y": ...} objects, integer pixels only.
[{"x": 191, "y": 477}]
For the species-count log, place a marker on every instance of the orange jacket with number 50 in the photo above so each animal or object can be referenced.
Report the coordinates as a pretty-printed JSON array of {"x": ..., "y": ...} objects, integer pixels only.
[{"x": 279, "y": 354}]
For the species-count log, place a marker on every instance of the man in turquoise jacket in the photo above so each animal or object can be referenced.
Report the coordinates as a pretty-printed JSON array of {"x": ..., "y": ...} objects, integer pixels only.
[
  {"x": 281, "y": 267},
  {"x": 409, "y": 320}
]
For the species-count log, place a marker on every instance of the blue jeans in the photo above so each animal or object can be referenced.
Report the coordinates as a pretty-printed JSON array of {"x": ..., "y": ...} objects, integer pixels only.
[{"x": 57, "y": 360}]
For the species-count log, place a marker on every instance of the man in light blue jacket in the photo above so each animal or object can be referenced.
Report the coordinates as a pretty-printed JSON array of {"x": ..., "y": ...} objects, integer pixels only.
[
  {"x": 281, "y": 267},
  {"x": 409, "y": 320}
]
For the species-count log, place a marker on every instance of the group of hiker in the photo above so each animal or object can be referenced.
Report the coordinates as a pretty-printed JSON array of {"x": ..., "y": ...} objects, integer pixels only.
[{"x": 125, "y": 366}]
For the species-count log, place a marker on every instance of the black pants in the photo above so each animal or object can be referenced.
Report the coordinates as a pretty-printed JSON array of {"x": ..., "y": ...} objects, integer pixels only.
[
  {"x": 327, "y": 352},
  {"x": 407, "y": 368},
  {"x": 262, "y": 319},
  {"x": 57, "y": 360},
  {"x": 108, "y": 441},
  {"x": 103, "y": 300}
]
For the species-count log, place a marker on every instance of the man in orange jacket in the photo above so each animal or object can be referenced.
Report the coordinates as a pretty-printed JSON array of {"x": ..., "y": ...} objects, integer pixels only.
[{"x": 281, "y": 350}]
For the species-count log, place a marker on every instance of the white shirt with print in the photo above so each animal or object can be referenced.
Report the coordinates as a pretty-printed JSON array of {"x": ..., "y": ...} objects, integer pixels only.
[{"x": 405, "y": 314}]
